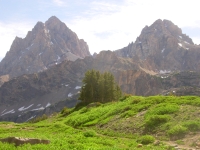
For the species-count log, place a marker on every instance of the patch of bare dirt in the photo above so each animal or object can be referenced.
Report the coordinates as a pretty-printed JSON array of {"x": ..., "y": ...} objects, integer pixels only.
[
  {"x": 189, "y": 142},
  {"x": 7, "y": 126}
]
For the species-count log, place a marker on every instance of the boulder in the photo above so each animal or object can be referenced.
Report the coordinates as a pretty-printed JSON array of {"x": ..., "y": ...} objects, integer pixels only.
[{"x": 20, "y": 141}]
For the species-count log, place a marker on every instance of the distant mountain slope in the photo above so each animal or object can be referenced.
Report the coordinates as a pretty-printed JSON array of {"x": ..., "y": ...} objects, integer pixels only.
[
  {"x": 46, "y": 45},
  {"x": 34, "y": 92},
  {"x": 162, "y": 47},
  {"x": 157, "y": 63}
]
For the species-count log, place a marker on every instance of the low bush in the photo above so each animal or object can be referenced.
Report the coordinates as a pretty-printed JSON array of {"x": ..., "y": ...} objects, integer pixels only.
[
  {"x": 155, "y": 120},
  {"x": 177, "y": 132},
  {"x": 136, "y": 101},
  {"x": 162, "y": 109},
  {"x": 65, "y": 111},
  {"x": 89, "y": 133},
  {"x": 146, "y": 139},
  {"x": 192, "y": 125},
  {"x": 125, "y": 96}
]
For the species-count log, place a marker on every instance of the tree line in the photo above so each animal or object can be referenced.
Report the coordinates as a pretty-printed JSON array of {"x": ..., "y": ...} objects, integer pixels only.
[{"x": 99, "y": 87}]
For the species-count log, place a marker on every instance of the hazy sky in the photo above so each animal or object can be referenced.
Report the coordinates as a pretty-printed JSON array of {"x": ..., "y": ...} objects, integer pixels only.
[{"x": 103, "y": 24}]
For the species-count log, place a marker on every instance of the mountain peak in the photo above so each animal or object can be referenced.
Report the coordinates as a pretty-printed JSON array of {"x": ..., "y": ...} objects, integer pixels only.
[
  {"x": 53, "y": 19},
  {"x": 46, "y": 45},
  {"x": 164, "y": 46}
]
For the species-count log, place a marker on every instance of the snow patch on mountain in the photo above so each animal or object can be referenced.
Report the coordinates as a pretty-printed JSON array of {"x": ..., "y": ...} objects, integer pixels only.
[
  {"x": 180, "y": 44},
  {"x": 78, "y": 87},
  {"x": 41, "y": 108},
  {"x": 30, "y": 118},
  {"x": 70, "y": 95},
  {"x": 164, "y": 71},
  {"x": 23, "y": 108},
  {"x": 49, "y": 104},
  {"x": 9, "y": 112}
]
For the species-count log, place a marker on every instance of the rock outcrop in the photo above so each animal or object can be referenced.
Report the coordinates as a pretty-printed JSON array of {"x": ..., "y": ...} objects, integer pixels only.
[
  {"x": 163, "y": 47},
  {"x": 3, "y": 79},
  {"x": 17, "y": 141},
  {"x": 46, "y": 45}
]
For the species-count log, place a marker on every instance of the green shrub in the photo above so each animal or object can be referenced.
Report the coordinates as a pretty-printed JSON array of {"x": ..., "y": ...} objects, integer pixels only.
[
  {"x": 136, "y": 101},
  {"x": 84, "y": 110},
  {"x": 192, "y": 125},
  {"x": 177, "y": 132},
  {"x": 162, "y": 109},
  {"x": 156, "y": 120},
  {"x": 126, "y": 109},
  {"x": 98, "y": 104},
  {"x": 128, "y": 114},
  {"x": 142, "y": 107},
  {"x": 125, "y": 96},
  {"x": 89, "y": 133},
  {"x": 65, "y": 111},
  {"x": 146, "y": 139}
]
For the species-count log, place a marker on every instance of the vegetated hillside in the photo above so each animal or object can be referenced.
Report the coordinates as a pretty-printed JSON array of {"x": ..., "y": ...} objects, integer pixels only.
[{"x": 158, "y": 122}]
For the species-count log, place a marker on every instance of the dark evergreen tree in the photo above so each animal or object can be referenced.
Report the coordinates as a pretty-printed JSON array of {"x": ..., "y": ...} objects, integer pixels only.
[{"x": 99, "y": 87}]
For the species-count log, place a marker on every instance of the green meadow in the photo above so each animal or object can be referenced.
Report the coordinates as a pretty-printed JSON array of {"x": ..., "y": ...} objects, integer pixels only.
[{"x": 115, "y": 125}]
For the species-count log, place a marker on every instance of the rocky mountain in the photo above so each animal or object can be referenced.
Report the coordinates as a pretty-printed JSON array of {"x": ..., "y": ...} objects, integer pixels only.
[
  {"x": 46, "y": 45},
  {"x": 160, "y": 61},
  {"x": 31, "y": 95},
  {"x": 162, "y": 47},
  {"x": 35, "y": 92}
]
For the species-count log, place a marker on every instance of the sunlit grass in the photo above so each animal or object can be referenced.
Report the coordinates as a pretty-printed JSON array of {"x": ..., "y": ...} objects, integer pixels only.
[{"x": 114, "y": 125}]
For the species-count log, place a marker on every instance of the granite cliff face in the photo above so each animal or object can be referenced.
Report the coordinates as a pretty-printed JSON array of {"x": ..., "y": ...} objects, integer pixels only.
[
  {"x": 46, "y": 45},
  {"x": 162, "y": 47}
]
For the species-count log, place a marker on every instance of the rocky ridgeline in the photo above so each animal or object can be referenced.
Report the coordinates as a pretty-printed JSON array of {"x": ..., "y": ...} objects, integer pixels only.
[
  {"x": 48, "y": 44},
  {"x": 161, "y": 49},
  {"x": 163, "y": 46},
  {"x": 31, "y": 95}
]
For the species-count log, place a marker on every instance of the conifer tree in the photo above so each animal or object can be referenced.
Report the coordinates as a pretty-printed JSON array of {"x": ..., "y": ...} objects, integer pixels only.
[{"x": 99, "y": 87}]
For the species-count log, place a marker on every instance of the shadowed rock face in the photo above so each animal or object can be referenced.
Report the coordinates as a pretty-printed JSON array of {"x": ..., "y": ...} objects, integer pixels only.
[
  {"x": 28, "y": 96},
  {"x": 17, "y": 141},
  {"x": 3, "y": 79},
  {"x": 163, "y": 46},
  {"x": 46, "y": 45}
]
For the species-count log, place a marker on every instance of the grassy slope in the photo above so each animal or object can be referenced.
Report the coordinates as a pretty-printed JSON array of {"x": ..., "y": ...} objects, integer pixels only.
[{"x": 116, "y": 125}]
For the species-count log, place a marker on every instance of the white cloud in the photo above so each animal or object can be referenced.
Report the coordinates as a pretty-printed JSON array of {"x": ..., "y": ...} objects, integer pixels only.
[
  {"x": 9, "y": 31},
  {"x": 59, "y": 2},
  {"x": 109, "y": 24},
  {"x": 196, "y": 40},
  {"x": 121, "y": 24}
]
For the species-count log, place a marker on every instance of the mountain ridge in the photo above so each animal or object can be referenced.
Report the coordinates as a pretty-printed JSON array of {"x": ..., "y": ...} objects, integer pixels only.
[
  {"x": 142, "y": 68},
  {"x": 163, "y": 46},
  {"x": 46, "y": 45}
]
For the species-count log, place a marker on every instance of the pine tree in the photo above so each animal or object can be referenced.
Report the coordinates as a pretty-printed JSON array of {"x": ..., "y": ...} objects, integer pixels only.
[{"x": 99, "y": 87}]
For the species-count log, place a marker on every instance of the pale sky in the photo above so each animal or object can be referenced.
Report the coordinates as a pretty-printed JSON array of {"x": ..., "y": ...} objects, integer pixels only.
[{"x": 103, "y": 24}]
